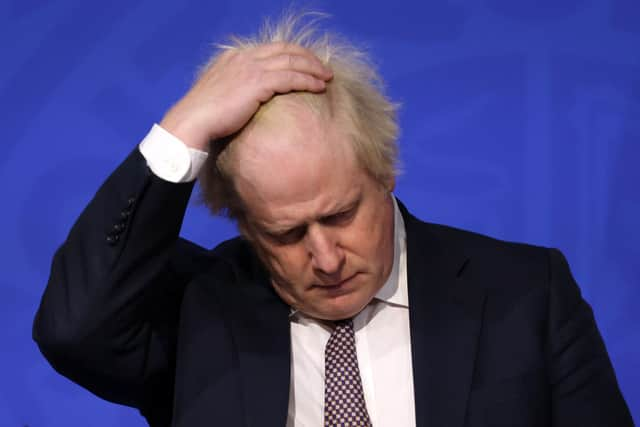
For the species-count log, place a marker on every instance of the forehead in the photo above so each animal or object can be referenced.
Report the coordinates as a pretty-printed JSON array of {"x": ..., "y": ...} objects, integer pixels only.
[{"x": 291, "y": 167}]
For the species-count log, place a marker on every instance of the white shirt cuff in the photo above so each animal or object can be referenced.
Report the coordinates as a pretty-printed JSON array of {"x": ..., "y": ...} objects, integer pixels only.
[{"x": 169, "y": 158}]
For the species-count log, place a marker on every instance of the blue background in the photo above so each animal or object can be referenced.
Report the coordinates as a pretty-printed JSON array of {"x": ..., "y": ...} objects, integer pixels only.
[{"x": 520, "y": 119}]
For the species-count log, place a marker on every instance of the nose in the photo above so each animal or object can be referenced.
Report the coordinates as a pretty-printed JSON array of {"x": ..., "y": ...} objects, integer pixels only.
[{"x": 326, "y": 254}]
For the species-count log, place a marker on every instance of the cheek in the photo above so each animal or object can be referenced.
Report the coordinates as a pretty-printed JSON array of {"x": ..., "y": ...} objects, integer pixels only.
[
  {"x": 290, "y": 264},
  {"x": 372, "y": 250},
  {"x": 372, "y": 239},
  {"x": 368, "y": 235}
]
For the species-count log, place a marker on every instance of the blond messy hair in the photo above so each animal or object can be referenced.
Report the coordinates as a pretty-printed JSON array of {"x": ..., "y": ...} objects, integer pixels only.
[{"x": 354, "y": 96}]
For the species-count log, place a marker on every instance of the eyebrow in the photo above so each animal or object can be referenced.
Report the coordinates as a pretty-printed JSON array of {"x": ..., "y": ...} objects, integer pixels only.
[{"x": 279, "y": 231}]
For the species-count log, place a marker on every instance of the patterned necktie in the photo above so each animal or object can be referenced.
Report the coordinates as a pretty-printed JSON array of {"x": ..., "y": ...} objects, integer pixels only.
[{"x": 344, "y": 404}]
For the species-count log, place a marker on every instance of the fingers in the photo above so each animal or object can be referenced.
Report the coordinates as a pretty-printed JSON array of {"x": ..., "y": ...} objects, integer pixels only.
[
  {"x": 283, "y": 56},
  {"x": 308, "y": 64},
  {"x": 288, "y": 81}
]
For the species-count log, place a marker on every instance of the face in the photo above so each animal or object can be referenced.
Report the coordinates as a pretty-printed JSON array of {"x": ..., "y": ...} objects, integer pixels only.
[{"x": 322, "y": 226}]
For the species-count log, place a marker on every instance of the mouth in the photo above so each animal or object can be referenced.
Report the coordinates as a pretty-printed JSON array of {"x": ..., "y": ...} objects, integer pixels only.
[{"x": 342, "y": 285}]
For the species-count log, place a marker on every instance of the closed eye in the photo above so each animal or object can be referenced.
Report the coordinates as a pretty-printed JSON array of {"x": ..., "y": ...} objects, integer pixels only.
[
  {"x": 288, "y": 237},
  {"x": 340, "y": 218}
]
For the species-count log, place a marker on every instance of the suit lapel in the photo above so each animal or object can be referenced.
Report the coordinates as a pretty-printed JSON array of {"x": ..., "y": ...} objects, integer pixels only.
[
  {"x": 260, "y": 328},
  {"x": 445, "y": 316}
]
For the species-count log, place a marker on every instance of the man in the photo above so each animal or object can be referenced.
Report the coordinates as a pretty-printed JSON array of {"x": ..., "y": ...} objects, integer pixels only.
[{"x": 336, "y": 307}]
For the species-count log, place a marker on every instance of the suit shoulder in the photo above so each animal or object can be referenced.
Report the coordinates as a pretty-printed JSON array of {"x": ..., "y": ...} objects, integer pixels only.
[
  {"x": 234, "y": 259},
  {"x": 235, "y": 251},
  {"x": 229, "y": 260},
  {"x": 478, "y": 244},
  {"x": 507, "y": 261}
]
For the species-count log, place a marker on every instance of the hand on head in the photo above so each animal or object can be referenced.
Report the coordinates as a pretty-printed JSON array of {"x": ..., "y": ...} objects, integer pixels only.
[{"x": 235, "y": 84}]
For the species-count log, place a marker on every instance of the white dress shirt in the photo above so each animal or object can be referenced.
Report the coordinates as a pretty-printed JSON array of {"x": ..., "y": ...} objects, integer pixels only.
[{"x": 383, "y": 341}]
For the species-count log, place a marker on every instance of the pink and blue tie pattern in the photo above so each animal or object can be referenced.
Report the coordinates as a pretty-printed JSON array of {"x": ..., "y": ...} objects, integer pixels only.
[{"x": 344, "y": 404}]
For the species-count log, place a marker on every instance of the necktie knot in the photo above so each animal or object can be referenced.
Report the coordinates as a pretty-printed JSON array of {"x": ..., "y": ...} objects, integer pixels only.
[{"x": 341, "y": 326}]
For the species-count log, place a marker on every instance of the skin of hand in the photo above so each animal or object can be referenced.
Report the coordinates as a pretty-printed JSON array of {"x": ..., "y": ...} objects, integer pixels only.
[{"x": 231, "y": 90}]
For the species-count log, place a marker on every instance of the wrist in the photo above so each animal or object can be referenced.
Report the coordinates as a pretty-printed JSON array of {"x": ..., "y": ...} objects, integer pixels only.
[{"x": 189, "y": 134}]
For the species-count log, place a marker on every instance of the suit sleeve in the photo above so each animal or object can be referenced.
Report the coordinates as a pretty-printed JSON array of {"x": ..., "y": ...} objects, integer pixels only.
[
  {"x": 108, "y": 316},
  {"x": 585, "y": 391}
]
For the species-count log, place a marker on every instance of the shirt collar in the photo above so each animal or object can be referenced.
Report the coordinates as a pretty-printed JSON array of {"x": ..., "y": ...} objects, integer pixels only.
[{"x": 394, "y": 290}]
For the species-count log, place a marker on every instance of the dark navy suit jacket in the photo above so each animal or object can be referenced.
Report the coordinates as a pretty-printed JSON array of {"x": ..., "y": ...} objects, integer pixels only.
[{"x": 500, "y": 335}]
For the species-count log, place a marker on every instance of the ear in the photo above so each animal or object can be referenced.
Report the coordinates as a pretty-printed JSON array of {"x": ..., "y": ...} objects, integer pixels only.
[{"x": 390, "y": 184}]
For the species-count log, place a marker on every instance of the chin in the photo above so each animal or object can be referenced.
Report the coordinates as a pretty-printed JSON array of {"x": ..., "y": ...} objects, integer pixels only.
[{"x": 343, "y": 308}]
